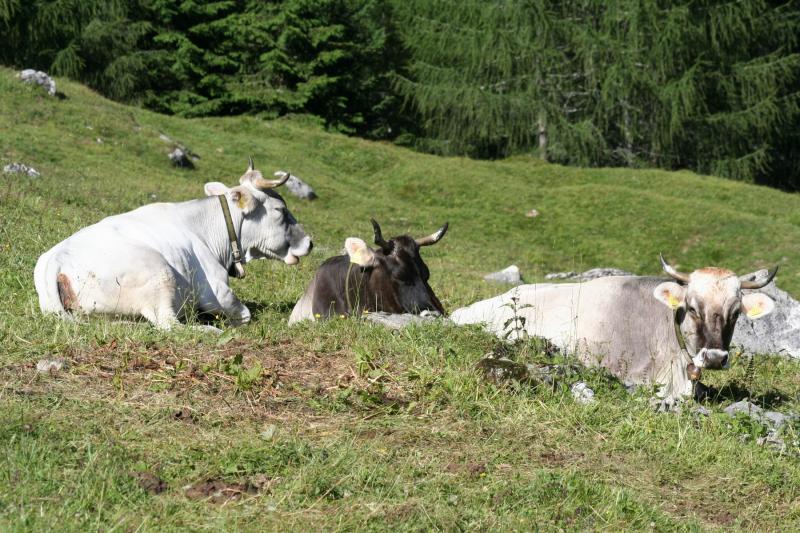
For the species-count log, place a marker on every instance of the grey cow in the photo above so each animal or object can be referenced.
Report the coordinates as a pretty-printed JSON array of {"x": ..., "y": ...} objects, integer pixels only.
[{"x": 645, "y": 330}]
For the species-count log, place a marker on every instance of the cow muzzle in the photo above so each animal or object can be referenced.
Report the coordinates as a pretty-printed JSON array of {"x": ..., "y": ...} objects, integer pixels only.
[
  {"x": 712, "y": 359},
  {"x": 298, "y": 249}
]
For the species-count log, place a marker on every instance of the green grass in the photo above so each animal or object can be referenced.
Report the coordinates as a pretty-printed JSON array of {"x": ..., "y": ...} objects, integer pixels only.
[{"x": 343, "y": 425}]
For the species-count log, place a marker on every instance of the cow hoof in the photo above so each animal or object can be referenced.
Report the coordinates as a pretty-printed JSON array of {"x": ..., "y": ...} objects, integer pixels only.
[{"x": 665, "y": 405}]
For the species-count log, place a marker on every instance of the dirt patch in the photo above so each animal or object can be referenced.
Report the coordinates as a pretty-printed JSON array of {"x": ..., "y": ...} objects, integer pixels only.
[
  {"x": 559, "y": 458},
  {"x": 149, "y": 482},
  {"x": 218, "y": 491},
  {"x": 185, "y": 415},
  {"x": 241, "y": 378},
  {"x": 471, "y": 469},
  {"x": 401, "y": 512}
]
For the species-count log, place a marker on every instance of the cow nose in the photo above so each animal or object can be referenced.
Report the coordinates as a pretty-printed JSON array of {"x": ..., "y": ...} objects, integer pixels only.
[
  {"x": 310, "y": 246},
  {"x": 725, "y": 361}
]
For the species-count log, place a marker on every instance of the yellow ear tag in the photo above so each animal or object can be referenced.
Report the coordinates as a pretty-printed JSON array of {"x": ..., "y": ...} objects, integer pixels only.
[
  {"x": 358, "y": 257},
  {"x": 241, "y": 202},
  {"x": 673, "y": 302},
  {"x": 755, "y": 311}
]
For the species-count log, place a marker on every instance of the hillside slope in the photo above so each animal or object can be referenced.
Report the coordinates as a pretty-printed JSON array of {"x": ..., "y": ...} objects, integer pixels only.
[
  {"x": 589, "y": 217},
  {"x": 343, "y": 425}
]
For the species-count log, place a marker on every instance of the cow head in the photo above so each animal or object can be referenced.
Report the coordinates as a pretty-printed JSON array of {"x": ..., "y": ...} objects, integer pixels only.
[
  {"x": 268, "y": 228},
  {"x": 397, "y": 265},
  {"x": 707, "y": 302}
]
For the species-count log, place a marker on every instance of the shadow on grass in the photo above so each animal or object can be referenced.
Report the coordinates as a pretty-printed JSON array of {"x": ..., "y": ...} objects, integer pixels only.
[
  {"x": 259, "y": 308},
  {"x": 734, "y": 392}
]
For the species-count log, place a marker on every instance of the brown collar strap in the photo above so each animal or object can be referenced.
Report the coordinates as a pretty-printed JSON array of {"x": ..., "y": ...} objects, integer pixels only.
[{"x": 236, "y": 249}]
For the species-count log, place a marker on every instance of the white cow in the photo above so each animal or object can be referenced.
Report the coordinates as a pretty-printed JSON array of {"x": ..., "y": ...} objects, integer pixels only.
[
  {"x": 161, "y": 260},
  {"x": 628, "y": 323}
]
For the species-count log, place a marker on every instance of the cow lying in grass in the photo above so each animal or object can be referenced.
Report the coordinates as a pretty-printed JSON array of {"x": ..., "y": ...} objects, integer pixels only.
[
  {"x": 162, "y": 260},
  {"x": 392, "y": 278},
  {"x": 644, "y": 330}
]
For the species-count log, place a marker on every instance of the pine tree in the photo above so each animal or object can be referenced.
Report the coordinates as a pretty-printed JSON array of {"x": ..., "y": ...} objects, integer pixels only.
[{"x": 705, "y": 84}]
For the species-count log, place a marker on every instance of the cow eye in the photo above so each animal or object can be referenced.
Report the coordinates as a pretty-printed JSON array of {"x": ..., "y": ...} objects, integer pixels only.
[{"x": 692, "y": 311}]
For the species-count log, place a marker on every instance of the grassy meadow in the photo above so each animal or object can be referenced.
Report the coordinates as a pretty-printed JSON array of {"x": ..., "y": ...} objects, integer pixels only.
[{"x": 344, "y": 425}]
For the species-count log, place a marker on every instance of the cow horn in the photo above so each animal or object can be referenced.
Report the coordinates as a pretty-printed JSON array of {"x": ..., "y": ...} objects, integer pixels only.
[
  {"x": 434, "y": 237},
  {"x": 261, "y": 183},
  {"x": 679, "y": 276},
  {"x": 749, "y": 283},
  {"x": 250, "y": 165},
  {"x": 378, "y": 235}
]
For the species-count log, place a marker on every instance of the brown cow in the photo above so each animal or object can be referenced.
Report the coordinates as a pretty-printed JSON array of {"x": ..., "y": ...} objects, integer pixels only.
[{"x": 392, "y": 278}]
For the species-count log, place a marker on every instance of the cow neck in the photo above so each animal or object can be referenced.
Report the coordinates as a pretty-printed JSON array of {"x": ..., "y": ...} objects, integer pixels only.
[
  {"x": 236, "y": 248},
  {"x": 682, "y": 343}
]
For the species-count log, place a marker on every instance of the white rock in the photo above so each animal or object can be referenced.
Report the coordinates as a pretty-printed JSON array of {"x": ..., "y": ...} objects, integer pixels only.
[
  {"x": 19, "y": 168},
  {"x": 39, "y": 78},
  {"x": 561, "y": 275},
  {"x": 582, "y": 393},
  {"x": 773, "y": 419},
  {"x": 509, "y": 275},
  {"x": 50, "y": 366},
  {"x": 297, "y": 186},
  {"x": 180, "y": 158},
  {"x": 589, "y": 274},
  {"x": 398, "y": 321},
  {"x": 776, "y": 333}
]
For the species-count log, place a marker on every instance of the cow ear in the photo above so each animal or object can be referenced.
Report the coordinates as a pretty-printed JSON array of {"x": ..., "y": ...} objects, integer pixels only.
[
  {"x": 670, "y": 294},
  {"x": 244, "y": 199},
  {"x": 757, "y": 305},
  {"x": 359, "y": 252},
  {"x": 215, "y": 188}
]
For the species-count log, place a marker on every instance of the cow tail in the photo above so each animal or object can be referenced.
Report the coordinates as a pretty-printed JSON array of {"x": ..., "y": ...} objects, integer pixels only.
[{"x": 45, "y": 278}]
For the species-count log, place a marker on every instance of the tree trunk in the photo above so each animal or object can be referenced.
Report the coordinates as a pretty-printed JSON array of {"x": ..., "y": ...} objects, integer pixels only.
[{"x": 542, "y": 137}]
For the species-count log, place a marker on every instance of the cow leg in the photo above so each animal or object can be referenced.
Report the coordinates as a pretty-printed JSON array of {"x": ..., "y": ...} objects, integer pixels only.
[
  {"x": 160, "y": 304},
  {"x": 675, "y": 385},
  {"x": 218, "y": 297}
]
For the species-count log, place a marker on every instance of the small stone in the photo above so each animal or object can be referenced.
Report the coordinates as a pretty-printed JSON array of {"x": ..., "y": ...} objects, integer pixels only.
[
  {"x": 99, "y": 140},
  {"x": 269, "y": 432},
  {"x": 772, "y": 440},
  {"x": 561, "y": 275},
  {"x": 593, "y": 273},
  {"x": 702, "y": 411},
  {"x": 510, "y": 275},
  {"x": 39, "y": 78},
  {"x": 743, "y": 406},
  {"x": 297, "y": 186},
  {"x": 399, "y": 321},
  {"x": 582, "y": 393},
  {"x": 19, "y": 168},
  {"x": 50, "y": 366},
  {"x": 533, "y": 213},
  {"x": 772, "y": 419},
  {"x": 602, "y": 273},
  {"x": 164, "y": 138},
  {"x": 776, "y": 420}
]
